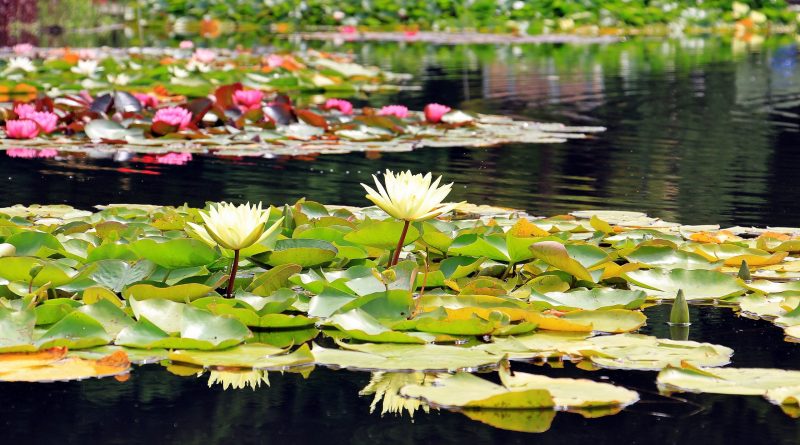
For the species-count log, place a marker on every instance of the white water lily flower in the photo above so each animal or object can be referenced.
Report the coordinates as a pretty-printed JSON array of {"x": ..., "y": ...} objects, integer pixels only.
[
  {"x": 119, "y": 79},
  {"x": 87, "y": 68},
  {"x": 177, "y": 72},
  {"x": 20, "y": 64},
  {"x": 410, "y": 197},
  {"x": 234, "y": 227},
  {"x": 200, "y": 67}
]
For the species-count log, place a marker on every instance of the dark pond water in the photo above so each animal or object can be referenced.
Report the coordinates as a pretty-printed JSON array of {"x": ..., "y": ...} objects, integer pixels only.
[
  {"x": 699, "y": 131},
  {"x": 154, "y": 406}
]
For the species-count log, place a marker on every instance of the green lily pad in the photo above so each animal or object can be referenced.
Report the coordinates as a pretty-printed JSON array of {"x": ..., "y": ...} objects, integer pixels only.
[
  {"x": 109, "y": 315},
  {"x": 302, "y": 252},
  {"x": 178, "y": 292},
  {"x": 381, "y": 234},
  {"x": 75, "y": 331},
  {"x": 669, "y": 258},
  {"x": 16, "y": 330},
  {"x": 176, "y": 253},
  {"x": 590, "y": 299},
  {"x": 696, "y": 284},
  {"x": 256, "y": 356},
  {"x": 742, "y": 381},
  {"x": 404, "y": 358}
]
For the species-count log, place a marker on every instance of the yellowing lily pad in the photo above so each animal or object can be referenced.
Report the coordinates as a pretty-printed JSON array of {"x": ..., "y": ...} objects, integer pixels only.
[{"x": 52, "y": 365}]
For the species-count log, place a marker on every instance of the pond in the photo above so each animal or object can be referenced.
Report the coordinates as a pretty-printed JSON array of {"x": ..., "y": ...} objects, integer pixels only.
[{"x": 699, "y": 131}]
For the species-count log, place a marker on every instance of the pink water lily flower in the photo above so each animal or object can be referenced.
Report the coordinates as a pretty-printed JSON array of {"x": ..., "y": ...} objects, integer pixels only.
[
  {"x": 174, "y": 116},
  {"x": 274, "y": 60},
  {"x": 400, "y": 111},
  {"x": 23, "y": 110},
  {"x": 434, "y": 112},
  {"x": 186, "y": 44},
  {"x": 342, "y": 105},
  {"x": 348, "y": 29},
  {"x": 23, "y": 49},
  {"x": 22, "y": 129},
  {"x": 248, "y": 100},
  {"x": 47, "y": 121},
  {"x": 146, "y": 100},
  {"x": 203, "y": 55}
]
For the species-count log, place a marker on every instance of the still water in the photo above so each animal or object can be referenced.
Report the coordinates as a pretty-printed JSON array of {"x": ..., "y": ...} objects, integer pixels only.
[{"x": 699, "y": 131}]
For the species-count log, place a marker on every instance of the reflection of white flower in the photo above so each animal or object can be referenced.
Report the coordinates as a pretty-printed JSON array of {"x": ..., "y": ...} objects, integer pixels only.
[
  {"x": 119, "y": 79},
  {"x": 238, "y": 379},
  {"x": 20, "y": 64},
  {"x": 517, "y": 5},
  {"x": 200, "y": 67},
  {"x": 87, "y": 68},
  {"x": 386, "y": 386}
]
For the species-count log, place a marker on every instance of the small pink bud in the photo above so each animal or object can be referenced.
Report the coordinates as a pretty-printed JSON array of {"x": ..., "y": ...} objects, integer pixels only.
[
  {"x": 342, "y": 105},
  {"x": 348, "y": 29},
  {"x": 248, "y": 99},
  {"x": 186, "y": 44},
  {"x": 434, "y": 112},
  {"x": 23, "y": 49},
  {"x": 400, "y": 111},
  {"x": 174, "y": 116},
  {"x": 174, "y": 158},
  {"x": 22, "y": 129}
]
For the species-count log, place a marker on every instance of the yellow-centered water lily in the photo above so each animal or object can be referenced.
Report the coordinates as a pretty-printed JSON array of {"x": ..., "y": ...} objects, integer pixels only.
[
  {"x": 234, "y": 227},
  {"x": 410, "y": 197}
]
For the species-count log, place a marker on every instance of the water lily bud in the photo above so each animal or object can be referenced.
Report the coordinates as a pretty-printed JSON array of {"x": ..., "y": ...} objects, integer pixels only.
[
  {"x": 7, "y": 249},
  {"x": 744, "y": 271},
  {"x": 679, "y": 315}
]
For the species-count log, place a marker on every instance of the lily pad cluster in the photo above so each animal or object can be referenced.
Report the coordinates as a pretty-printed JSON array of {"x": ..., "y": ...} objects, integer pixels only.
[
  {"x": 190, "y": 72},
  {"x": 240, "y": 121},
  {"x": 475, "y": 290}
]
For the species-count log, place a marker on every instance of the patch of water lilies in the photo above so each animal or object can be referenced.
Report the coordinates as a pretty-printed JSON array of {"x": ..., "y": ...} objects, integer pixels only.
[
  {"x": 160, "y": 74},
  {"x": 242, "y": 121},
  {"x": 424, "y": 298}
]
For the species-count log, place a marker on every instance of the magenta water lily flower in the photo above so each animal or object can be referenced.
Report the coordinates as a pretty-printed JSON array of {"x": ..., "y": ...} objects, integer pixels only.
[
  {"x": 186, "y": 44},
  {"x": 248, "y": 99},
  {"x": 434, "y": 112},
  {"x": 22, "y": 129},
  {"x": 400, "y": 111},
  {"x": 31, "y": 153},
  {"x": 203, "y": 55},
  {"x": 146, "y": 100},
  {"x": 23, "y": 110},
  {"x": 174, "y": 158},
  {"x": 47, "y": 121},
  {"x": 174, "y": 116},
  {"x": 342, "y": 105}
]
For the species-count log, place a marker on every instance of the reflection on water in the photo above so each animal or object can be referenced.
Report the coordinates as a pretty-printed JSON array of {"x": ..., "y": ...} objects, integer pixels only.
[
  {"x": 699, "y": 131},
  {"x": 160, "y": 407}
]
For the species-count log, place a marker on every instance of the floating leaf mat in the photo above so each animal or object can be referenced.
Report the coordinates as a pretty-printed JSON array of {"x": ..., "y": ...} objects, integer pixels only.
[{"x": 86, "y": 293}]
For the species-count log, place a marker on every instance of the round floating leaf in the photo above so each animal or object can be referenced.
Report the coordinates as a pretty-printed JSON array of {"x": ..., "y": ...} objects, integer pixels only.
[
  {"x": 256, "y": 356},
  {"x": 302, "y": 252},
  {"x": 178, "y": 292},
  {"x": 164, "y": 314},
  {"x": 696, "y": 284},
  {"x": 52, "y": 366},
  {"x": 268, "y": 282},
  {"x": 109, "y": 315},
  {"x": 16, "y": 330},
  {"x": 381, "y": 234},
  {"x": 397, "y": 357},
  {"x": 176, "y": 253},
  {"x": 464, "y": 390},
  {"x": 32, "y": 243},
  {"x": 742, "y": 381},
  {"x": 733, "y": 255},
  {"x": 50, "y": 311},
  {"x": 75, "y": 331},
  {"x": 556, "y": 255},
  {"x": 18, "y": 269},
  {"x": 669, "y": 258},
  {"x": 609, "y": 320},
  {"x": 572, "y": 393},
  {"x": 590, "y": 299},
  {"x": 117, "y": 274}
]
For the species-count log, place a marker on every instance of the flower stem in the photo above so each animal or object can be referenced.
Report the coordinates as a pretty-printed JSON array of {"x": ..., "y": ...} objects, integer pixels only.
[
  {"x": 234, "y": 267},
  {"x": 396, "y": 256}
]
